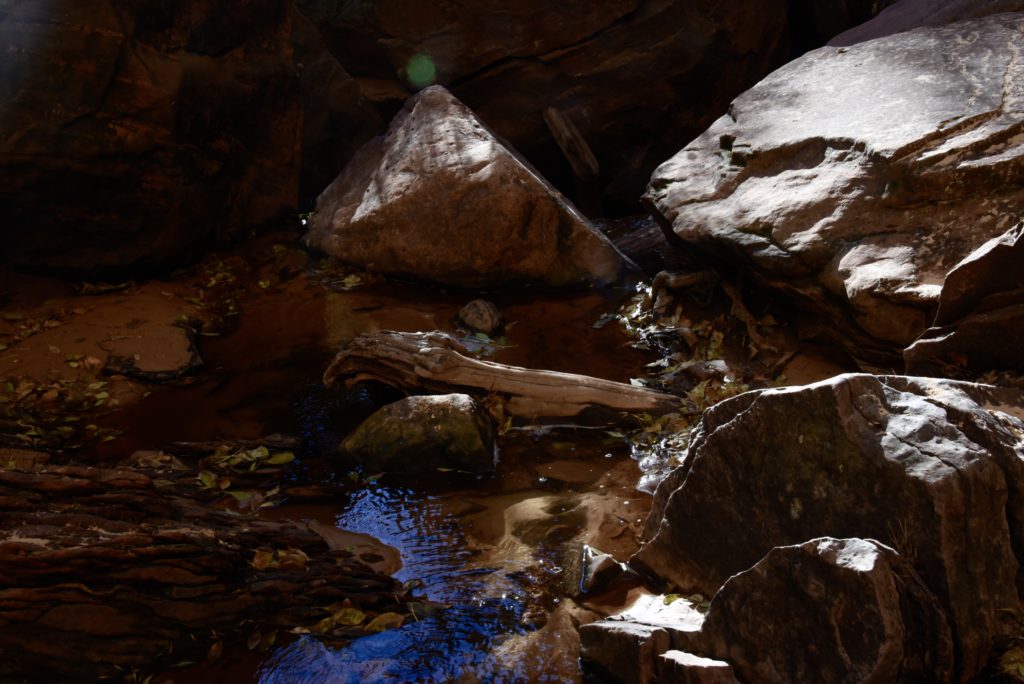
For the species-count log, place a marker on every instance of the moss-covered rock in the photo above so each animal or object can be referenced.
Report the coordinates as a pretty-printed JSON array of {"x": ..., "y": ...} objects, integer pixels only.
[{"x": 424, "y": 433}]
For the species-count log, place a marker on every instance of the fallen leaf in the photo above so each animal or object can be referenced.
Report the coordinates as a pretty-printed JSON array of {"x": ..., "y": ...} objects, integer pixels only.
[
  {"x": 281, "y": 458},
  {"x": 385, "y": 621},
  {"x": 349, "y": 617}
]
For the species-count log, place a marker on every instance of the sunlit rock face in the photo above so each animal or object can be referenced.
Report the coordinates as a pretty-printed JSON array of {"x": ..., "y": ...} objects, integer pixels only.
[
  {"x": 928, "y": 467},
  {"x": 135, "y": 132},
  {"x": 638, "y": 79},
  {"x": 440, "y": 199},
  {"x": 856, "y": 178}
]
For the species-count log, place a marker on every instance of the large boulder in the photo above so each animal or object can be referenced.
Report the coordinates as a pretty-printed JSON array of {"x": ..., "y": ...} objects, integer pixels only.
[
  {"x": 421, "y": 434},
  {"x": 829, "y": 610},
  {"x": 906, "y": 15},
  {"x": 856, "y": 178},
  {"x": 980, "y": 321},
  {"x": 135, "y": 132},
  {"x": 439, "y": 198},
  {"x": 933, "y": 468},
  {"x": 638, "y": 79}
]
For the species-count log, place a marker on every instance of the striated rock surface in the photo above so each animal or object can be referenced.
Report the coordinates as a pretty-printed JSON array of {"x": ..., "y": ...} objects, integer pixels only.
[
  {"x": 929, "y": 467},
  {"x": 637, "y": 79},
  {"x": 980, "y": 321},
  {"x": 830, "y": 610},
  {"x": 134, "y": 133},
  {"x": 906, "y": 15},
  {"x": 422, "y": 434},
  {"x": 439, "y": 198},
  {"x": 856, "y": 178}
]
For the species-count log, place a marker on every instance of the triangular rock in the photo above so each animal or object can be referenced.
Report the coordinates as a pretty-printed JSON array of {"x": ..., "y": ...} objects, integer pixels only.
[{"x": 440, "y": 198}]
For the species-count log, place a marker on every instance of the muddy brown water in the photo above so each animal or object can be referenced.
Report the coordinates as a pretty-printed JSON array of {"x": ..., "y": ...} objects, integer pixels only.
[{"x": 499, "y": 551}]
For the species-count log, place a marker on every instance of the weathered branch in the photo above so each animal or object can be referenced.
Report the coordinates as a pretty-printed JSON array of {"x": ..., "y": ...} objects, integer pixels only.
[{"x": 435, "y": 362}]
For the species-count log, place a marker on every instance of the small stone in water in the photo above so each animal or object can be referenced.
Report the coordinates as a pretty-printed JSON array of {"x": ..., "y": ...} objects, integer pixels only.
[{"x": 482, "y": 316}]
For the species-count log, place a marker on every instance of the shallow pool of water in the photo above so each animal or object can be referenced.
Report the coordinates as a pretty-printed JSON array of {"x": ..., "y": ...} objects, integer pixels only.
[{"x": 499, "y": 551}]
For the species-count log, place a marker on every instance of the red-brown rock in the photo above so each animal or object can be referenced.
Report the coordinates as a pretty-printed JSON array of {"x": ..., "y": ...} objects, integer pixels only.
[
  {"x": 855, "y": 178},
  {"x": 980, "y": 321},
  {"x": 933, "y": 468},
  {"x": 139, "y": 131},
  {"x": 830, "y": 610},
  {"x": 638, "y": 79},
  {"x": 440, "y": 198}
]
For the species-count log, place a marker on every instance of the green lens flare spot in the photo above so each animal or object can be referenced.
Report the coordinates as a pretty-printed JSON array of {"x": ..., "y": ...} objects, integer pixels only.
[{"x": 421, "y": 71}]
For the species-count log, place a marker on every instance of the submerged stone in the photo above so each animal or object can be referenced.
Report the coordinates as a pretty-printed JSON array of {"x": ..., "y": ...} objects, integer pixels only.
[
  {"x": 422, "y": 434},
  {"x": 481, "y": 316}
]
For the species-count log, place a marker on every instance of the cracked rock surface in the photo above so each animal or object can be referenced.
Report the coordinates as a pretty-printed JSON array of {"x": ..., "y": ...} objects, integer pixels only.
[
  {"x": 856, "y": 178},
  {"x": 928, "y": 467}
]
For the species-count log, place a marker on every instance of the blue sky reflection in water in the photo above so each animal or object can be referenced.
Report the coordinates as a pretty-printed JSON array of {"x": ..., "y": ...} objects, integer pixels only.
[{"x": 484, "y": 603}]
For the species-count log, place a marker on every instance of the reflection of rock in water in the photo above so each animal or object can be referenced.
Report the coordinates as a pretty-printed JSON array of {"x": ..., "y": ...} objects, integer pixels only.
[
  {"x": 324, "y": 416},
  {"x": 484, "y": 602}
]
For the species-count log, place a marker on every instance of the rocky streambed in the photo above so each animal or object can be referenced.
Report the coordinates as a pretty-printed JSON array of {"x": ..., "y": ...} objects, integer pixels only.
[
  {"x": 497, "y": 569},
  {"x": 447, "y": 426}
]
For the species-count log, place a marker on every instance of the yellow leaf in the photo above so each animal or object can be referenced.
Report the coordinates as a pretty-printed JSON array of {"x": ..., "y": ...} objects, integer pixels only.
[
  {"x": 349, "y": 617},
  {"x": 281, "y": 457},
  {"x": 292, "y": 558},
  {"x": 385, "y": 621},
  {"x": 324, "y": 626},
  {"x": 263, "y": 560},
  {"x": 208, "y": 479}
]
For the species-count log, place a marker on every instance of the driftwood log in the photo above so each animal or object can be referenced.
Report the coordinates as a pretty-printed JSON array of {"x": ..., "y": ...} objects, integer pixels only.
[
  {"x": 104, "y": 571},
  {"x": 436, "y": 362}
]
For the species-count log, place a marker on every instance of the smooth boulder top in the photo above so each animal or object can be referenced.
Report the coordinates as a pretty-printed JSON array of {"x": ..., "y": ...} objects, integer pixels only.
[
  {"x": 856, "y": 178},
  {"x": 440, "y": 198}
]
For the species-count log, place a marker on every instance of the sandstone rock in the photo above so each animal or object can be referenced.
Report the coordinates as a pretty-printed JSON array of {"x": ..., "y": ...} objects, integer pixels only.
[
  {"x": 481, "y": 316},
  {"x": 856, "y": 178},
  {"x": 137, "y": 132},
  {"x": 980, "y": 321},
  {"x": 623, "y": 651},
  {"x": 906, "y": 15},
  {"x": 930, "y": 467},
  {"x": 337, "y": 118},
  {"x": 599, "y": 571},
  {"x": 424, "y": 433},
  {"x": 626, "y": 647},
  {"x": 638, "y": 79},
  {"x": 440, "y": 198},
  {"x": 680, "y": 667},
  {"x": 830, "y": 610}
]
